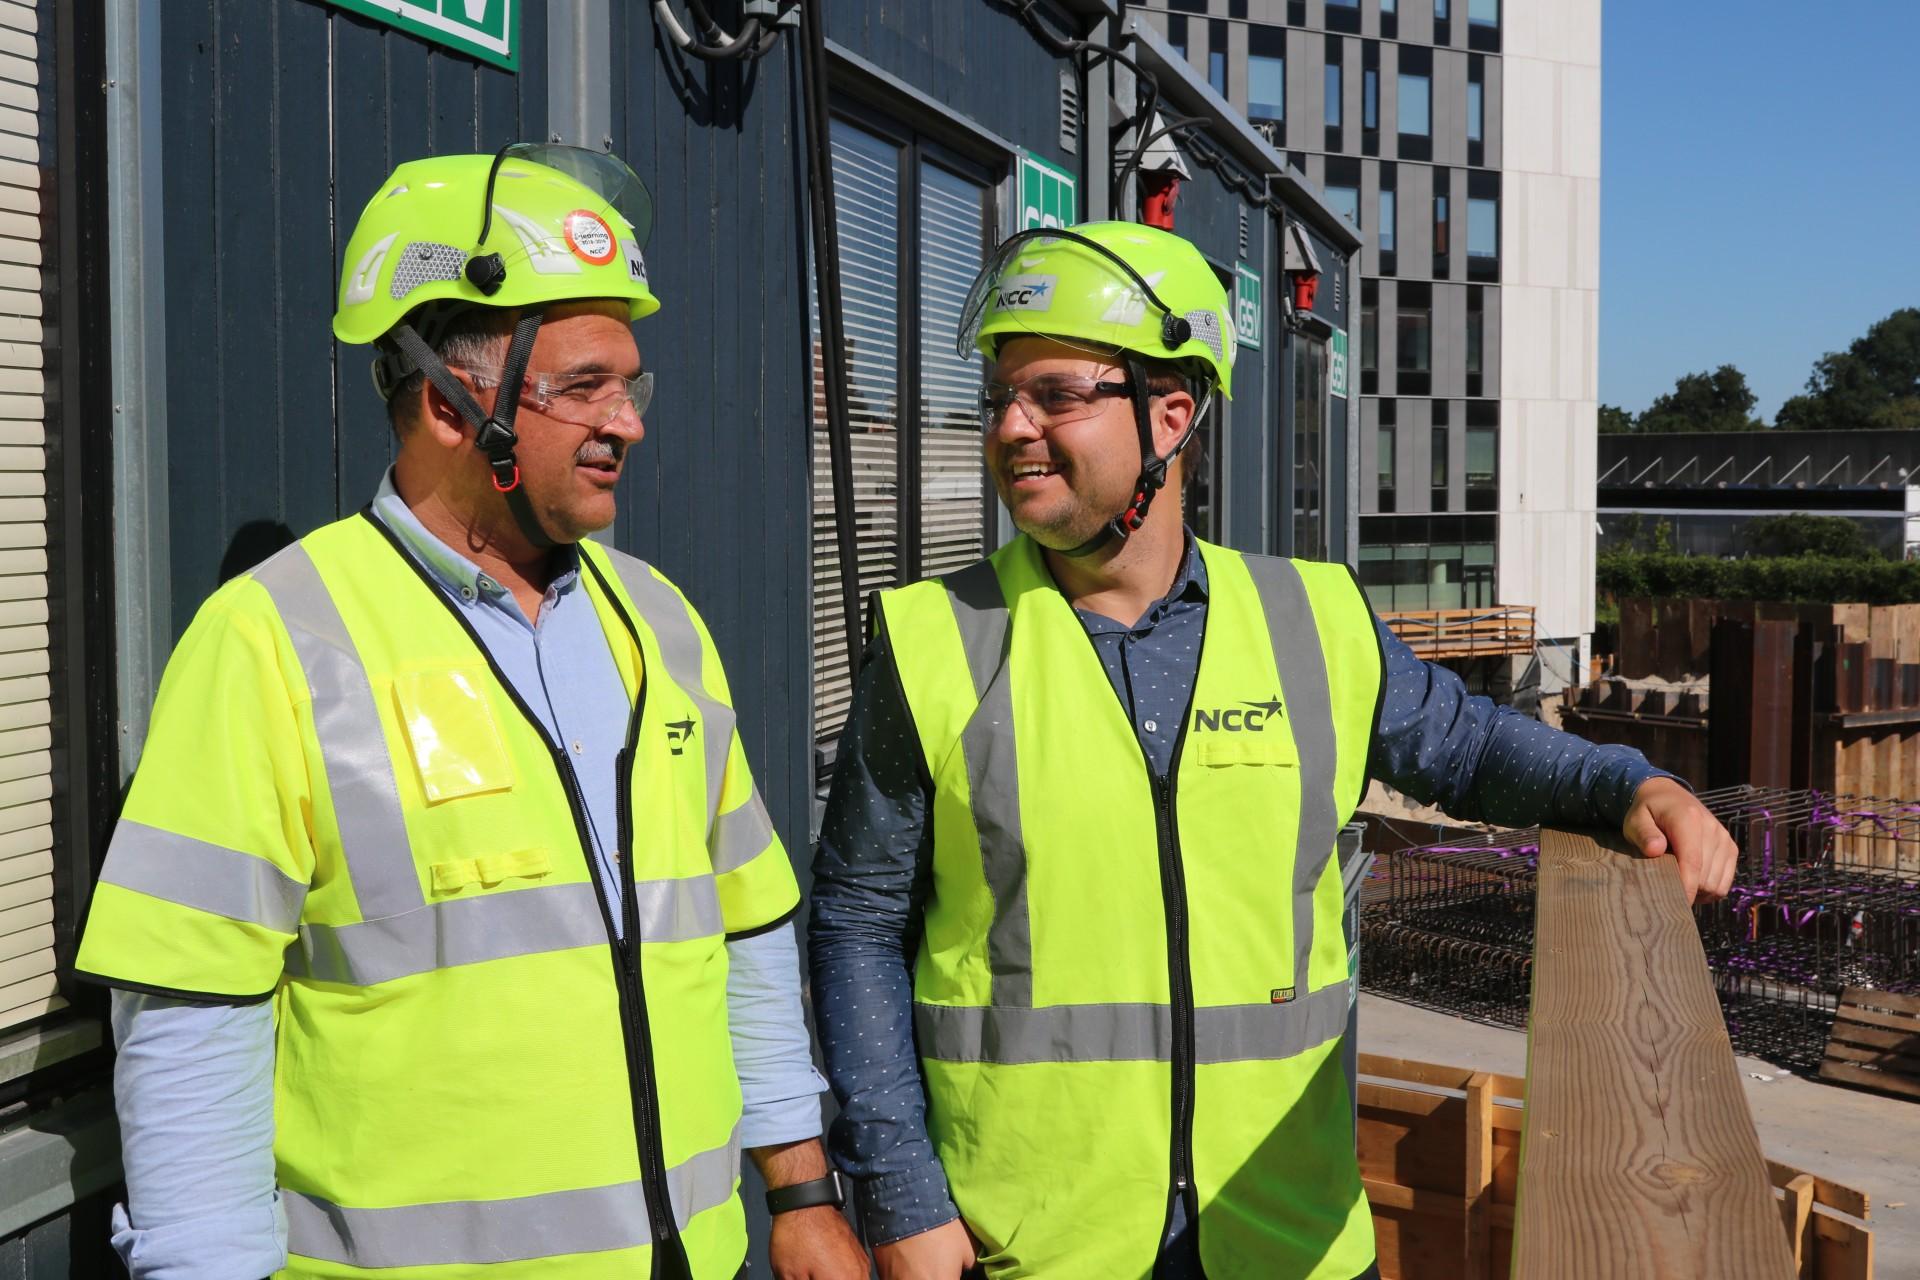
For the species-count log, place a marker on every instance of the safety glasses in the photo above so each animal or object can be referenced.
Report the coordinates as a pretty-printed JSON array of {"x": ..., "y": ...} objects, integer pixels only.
[
  {"x": 583, "y": 399},
  {"x": 1048, "y": 399}
]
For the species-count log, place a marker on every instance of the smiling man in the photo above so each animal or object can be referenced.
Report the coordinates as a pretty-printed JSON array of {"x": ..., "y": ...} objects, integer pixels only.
[
  {"x": 1076, "y": 935},
  {"x": 448, "y": 932}
]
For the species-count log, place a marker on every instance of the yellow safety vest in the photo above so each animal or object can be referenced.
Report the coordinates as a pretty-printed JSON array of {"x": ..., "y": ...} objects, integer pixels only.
[
  {"x": 342, "y": 806},
  {"x": 1126, "y": 987}
]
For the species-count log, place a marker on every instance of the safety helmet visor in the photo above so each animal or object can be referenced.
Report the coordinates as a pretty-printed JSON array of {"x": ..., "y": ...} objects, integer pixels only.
[{"x": 606, "y": 175}]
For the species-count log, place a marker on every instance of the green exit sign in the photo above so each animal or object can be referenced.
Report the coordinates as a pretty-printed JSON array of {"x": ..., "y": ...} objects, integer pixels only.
[
  {"x": 1246, "y": 305},
  {"x": 485, "y": 29},
  {"x": 1337, "y": 365},
  {"x": 1047, "y": 194}
]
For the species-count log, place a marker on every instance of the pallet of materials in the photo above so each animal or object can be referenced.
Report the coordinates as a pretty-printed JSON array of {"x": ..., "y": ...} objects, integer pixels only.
[{"x": 1875, "y": 1043}]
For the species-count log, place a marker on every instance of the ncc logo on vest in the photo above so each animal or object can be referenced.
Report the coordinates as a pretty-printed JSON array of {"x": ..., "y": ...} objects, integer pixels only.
[
  {"x": 679, "y": 734},
  {"x": 1248, "y": 717}
]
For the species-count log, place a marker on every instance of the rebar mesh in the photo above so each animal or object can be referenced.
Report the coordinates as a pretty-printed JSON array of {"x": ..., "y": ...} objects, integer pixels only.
[{"x": 1826, "y": 896}]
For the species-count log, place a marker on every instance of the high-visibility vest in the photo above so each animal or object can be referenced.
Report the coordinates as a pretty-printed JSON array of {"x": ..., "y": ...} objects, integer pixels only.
[
  {"x": 1126, "y": 987},
  {"x": 345, "y": 808}
]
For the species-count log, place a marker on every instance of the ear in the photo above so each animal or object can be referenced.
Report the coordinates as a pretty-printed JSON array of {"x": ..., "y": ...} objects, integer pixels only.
[
  {"x": 440, "y": 419},
  {"x": 1172, "y": 415}
]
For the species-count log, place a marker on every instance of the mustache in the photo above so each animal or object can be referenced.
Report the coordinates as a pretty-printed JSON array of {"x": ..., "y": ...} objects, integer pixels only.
[{"x": 600, "y": 451}]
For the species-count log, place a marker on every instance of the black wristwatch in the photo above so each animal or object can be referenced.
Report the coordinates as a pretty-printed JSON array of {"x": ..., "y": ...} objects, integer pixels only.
[{"x": 805, "y": 1195}]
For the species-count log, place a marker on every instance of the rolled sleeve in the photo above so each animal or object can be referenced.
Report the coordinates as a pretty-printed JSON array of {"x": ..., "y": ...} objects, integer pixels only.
[{"x": 779, "y": 1088}]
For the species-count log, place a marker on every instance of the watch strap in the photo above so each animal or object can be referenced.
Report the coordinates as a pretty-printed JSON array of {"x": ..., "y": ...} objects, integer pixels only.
[{"x": 805, "y": 1195}]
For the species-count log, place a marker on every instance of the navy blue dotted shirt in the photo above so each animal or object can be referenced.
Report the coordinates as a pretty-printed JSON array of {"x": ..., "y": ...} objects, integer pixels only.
[{"x": 873, "y": 866}]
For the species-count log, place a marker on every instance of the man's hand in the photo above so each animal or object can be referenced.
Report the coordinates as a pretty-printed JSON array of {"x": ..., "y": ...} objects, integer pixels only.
[
  {"x": 944, "y": 1253},
  {"x": 815, "y": 1244},
  {"x": 1667, "y": 818}
]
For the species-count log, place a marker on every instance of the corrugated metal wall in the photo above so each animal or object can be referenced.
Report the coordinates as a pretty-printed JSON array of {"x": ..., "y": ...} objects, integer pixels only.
[{"x": 280, "y": 120}]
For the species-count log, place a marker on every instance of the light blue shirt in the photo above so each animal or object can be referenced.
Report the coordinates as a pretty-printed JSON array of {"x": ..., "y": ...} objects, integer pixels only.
[{"x": 194, "y": 1083}]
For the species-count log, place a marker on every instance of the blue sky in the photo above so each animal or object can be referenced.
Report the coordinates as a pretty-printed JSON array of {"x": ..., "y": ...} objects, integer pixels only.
[{"x": 1760, "y": 186}]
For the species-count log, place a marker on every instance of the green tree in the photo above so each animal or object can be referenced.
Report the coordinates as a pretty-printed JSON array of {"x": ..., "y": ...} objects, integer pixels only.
[
  {"x": 1873, "y": 383},
  {"x": 1717, "y": 401},
  {"x": 1796, "y": 533},
  {"x": 1615, "y": 421}
]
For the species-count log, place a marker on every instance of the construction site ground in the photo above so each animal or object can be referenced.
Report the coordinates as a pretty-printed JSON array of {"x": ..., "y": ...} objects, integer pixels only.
[{"x": 1862, "y": 1140}]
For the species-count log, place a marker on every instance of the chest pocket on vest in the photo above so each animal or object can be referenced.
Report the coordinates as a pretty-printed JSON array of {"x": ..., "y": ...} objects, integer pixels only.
[
  {"x": 1222, "y": 750},
  {"x": 455, "y": 743}
]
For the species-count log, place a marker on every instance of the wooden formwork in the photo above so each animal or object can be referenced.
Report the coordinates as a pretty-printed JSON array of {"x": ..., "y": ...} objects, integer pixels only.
[{"x": 1440, "y": 1158}]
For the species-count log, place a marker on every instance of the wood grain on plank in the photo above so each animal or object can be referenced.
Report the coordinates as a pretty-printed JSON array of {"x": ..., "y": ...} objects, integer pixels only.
[{"x": 1639, "y": 1156}]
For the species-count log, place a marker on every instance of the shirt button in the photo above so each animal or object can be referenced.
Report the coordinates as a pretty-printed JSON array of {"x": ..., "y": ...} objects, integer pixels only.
[
  {"x": 577, "y": 748},
  {"x": 1150, "y": 726},
  {"x": 466, "y": 593}
]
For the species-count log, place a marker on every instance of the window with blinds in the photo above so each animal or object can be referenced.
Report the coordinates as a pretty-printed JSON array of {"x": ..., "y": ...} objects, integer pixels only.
[
  {"x": 913, "y": 230},
  {"x": 27, "y": 985}
]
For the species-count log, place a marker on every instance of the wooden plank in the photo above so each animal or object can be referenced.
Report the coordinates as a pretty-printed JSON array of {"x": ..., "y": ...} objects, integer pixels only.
[
  {"x": 1796, "y": 1209},
  {"x": 1478, "y": 1137},
  {"x": 1867, "y": 998},
  {"x": 1639, "y": 1155},
  {"x": 1831, "y": 1194}
]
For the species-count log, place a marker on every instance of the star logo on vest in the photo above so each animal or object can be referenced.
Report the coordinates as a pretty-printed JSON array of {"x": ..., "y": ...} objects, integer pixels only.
[
  {"x": 1248, "y": 717},
  {"x": 679, "y": 734}
]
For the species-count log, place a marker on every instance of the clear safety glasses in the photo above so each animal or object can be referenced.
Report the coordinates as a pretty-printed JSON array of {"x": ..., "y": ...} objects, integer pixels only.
[
  {"x": 584, "y": 399},
  {"x": 1048, "y": 399}
]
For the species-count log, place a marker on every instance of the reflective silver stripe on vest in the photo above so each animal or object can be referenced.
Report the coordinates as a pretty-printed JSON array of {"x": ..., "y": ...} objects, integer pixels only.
[
  {"x": 993, "y": 778},
  {"x": 206, "y": 877},
  {"x": 1303, "y": 680},
  {"x": 471, "y": 1232},
  {"x": 353, "y": 747},
  {"x": 741, "y": 835},
  {"x": 496, "y": 926},
  {"x": 666, "y": 615},
  {"x": 1128, "y": 1032}
]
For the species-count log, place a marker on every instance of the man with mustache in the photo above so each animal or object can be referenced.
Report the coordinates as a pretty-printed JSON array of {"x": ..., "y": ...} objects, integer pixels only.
[
  {"x": 1078, "y": 964},
  {"x": 449, "y": 934}
]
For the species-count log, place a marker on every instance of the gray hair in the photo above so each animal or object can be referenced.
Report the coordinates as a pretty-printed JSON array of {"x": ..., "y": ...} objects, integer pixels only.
[{"x": 459, "y": 335}]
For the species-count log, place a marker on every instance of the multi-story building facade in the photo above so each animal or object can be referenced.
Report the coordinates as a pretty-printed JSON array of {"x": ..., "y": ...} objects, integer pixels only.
[{"x": 1462, "y": 139}]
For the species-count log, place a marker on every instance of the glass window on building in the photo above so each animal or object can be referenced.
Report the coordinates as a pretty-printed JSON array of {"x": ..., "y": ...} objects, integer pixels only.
[
  {"x": 1346, "y": 202},
  {"x": 1440, "y": 225},
  {"x": 1177, "y": 34},
  {"x": 1476, "y": 330},
  {"x": 1426, "y": 562},
  {"x": 1389, "y": 6},
  {"x": 1370, "y": 99},
  {"x": 1483, "y": 457},
  {"x": 1483, "y": 228},
  {"x": 1483, "y": 13},
  {"x": 1389, "y": 219},
  {"x": 1369, "y": 333},
  {"x": 1440, "y": 9},
  {"x": 1384, "y": 482},
  {"x": 1416, "y": 104},
  {"x": 1476, "y": 111},
  {"x": 1217, "y": 71},
  {"x": 1414, "y": 331},
  {"x": 902, "y": 377},
  {"x": 1266, "y": 75},
  {"x": 1333, "y": 93}
]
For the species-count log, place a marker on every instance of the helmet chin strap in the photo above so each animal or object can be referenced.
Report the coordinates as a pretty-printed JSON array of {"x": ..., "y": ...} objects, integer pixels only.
[
  {"x": 1153, "y": 468},
  {"x": 493, "y": 433}
]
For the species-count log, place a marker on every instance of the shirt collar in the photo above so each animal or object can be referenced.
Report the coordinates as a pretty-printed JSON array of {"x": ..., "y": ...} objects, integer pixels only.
[{"x": 460, "y": 576}]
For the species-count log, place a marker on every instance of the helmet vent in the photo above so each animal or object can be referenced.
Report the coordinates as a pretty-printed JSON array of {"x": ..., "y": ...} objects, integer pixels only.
[
  {"x": 1069, "y": 111},
  {"x": 426, "y": 262}
]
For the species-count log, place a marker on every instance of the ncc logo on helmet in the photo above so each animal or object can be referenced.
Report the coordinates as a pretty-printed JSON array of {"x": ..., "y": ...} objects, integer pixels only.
[{"x": 1024, "y": 293}]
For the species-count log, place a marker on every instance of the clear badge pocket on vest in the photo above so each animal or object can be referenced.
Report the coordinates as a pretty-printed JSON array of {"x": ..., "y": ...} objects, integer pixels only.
[
  {"x": 490, "y": 869},
  {"x": 456, "y": 745},
  {"x": 1218, "y": 750}
]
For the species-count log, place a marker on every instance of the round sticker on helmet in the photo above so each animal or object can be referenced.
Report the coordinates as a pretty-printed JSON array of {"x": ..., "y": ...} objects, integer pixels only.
[{"x": 590, "y": 238}]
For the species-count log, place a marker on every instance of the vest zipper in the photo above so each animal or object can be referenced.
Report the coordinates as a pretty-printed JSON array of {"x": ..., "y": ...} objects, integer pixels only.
[
  {"x": 1173, "y": 890},
  {"x": 637, "y": 1033}
]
